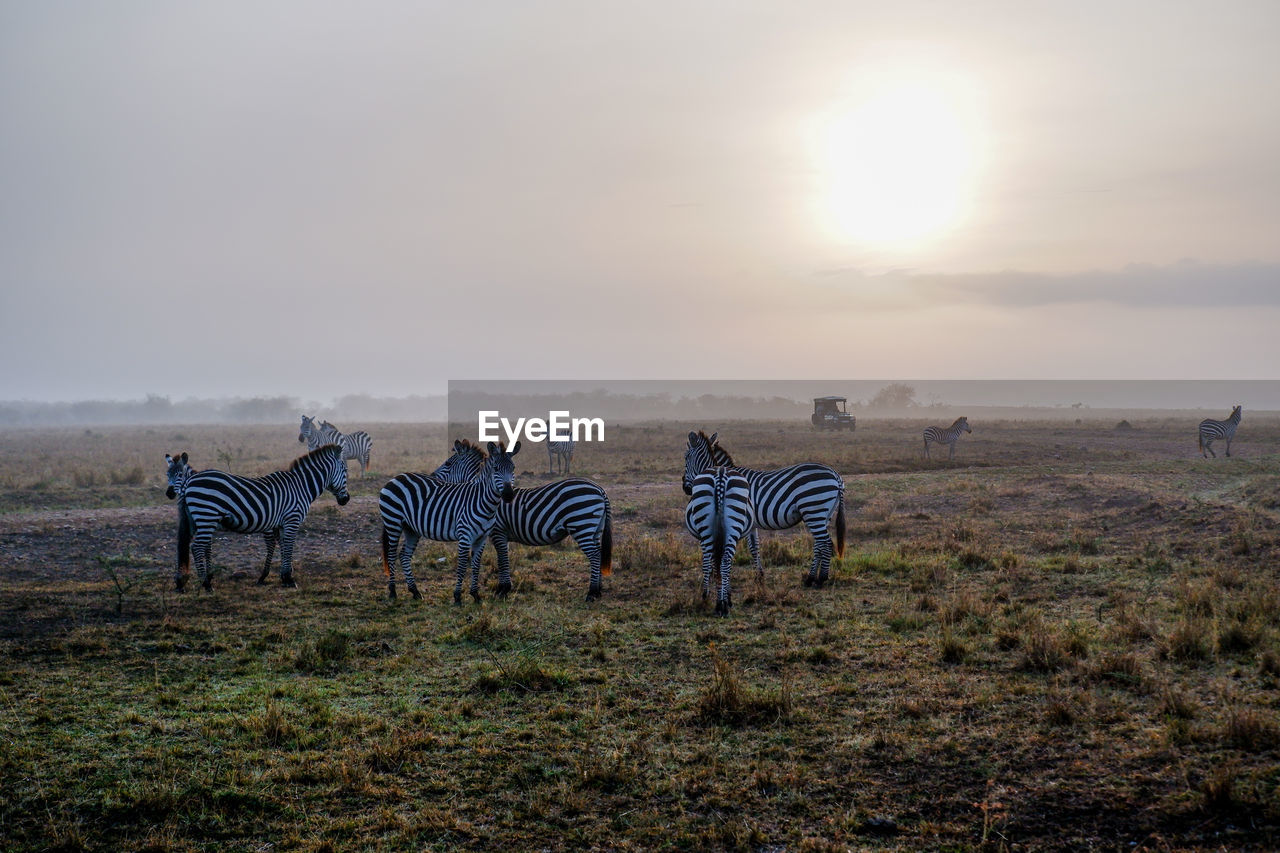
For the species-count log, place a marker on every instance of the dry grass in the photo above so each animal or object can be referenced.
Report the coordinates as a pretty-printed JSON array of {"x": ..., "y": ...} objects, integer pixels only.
[{"x": 1067, "y": 638}]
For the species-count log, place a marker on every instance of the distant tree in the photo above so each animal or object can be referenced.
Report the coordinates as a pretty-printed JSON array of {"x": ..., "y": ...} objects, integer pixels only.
[{"x": 894, "y": 396}]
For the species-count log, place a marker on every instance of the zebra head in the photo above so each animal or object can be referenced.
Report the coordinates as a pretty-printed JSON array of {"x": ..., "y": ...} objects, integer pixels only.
[
  {"x": 307, "y": 428},
  {"x": 335, "y": 473},
  {"x": 464, "y": 465},
  {"x": 499, "y": 469},
  {"x": 179, "y": 472},
  {"x": 963, "y": 423},
  {"x": 697, "y": 458}
]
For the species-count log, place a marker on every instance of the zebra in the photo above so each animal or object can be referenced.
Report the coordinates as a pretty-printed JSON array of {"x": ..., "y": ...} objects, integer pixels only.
[
  {"x": 355, "y": 445},
  {"x": 414, "y": 506},
  {"x": 274, "y": 505},
  {"x": 545, "y": 515},
  {"x": 782, "y": 498},
  {"x": 1211, "y": 431},
  {"x": 559, "y": 455},
  {"x": 178, "y": 472},
  {"x": 948, "y": 436},
  {"x": 719, "y": 514}
]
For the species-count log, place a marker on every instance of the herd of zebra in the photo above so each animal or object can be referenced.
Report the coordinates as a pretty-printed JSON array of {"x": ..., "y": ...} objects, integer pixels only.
[{"x": 469, "y": 499}]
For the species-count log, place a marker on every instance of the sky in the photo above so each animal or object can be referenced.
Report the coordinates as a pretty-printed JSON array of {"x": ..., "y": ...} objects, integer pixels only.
[{"x": 315, "y": 199}]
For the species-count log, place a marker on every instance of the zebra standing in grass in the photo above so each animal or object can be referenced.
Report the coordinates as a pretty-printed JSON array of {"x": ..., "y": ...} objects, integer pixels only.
[
  {"x": 274, "y": 505},
  {"x": 782, "y": 498},
  {"x": 1211, "y": 431},
  {"x": 559, "y": 455},
  {"x": 544, "y": 516},
  {"x": 414, "y": 506},
  {"x": 948, "y": 436},
  {"x": 719, "y": 514},
  {"x": 356, "y": 445}
]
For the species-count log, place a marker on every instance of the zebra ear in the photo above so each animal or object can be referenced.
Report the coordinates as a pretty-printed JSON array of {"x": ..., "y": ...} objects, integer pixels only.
[
  {"x": 515, "y": 449},
  {"x": 693, "y": 439},
  {"x": 457, "y": 445},
  {"x": 493, "y": 448},
  {"x": 168, "y": 460},
  {"x": 712, "y": 440},
  {"x": 184, "y": 457}
]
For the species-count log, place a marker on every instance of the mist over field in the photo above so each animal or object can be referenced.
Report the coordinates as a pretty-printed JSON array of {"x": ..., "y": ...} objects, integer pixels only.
[{"x": 638, "y": 400}]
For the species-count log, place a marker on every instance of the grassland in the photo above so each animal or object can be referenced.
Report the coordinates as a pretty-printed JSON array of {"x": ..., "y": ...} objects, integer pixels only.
[{"x": 1067, "y": 638}]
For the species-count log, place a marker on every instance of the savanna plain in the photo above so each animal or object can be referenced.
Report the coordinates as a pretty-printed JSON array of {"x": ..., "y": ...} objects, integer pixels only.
[{"x": 1068, "y": 637}]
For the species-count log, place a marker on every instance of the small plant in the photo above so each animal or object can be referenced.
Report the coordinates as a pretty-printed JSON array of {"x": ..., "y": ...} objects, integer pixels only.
[{"x": 729, "y": 701}]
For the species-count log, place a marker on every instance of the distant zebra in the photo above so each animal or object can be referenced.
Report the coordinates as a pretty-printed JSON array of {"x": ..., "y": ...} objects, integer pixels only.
[
  {"x": 543, "y": 516},
  {"x": 782, "y": 498},
  {"x": 1211, "y": 431},
  {"x": 719, "y": 514},
  {"x": 414, "y": 506},
  {"x": 356, "y": 445},
  {"x": 948, "y": 436},
  {"x": 274, "y": 505},
  {"x": 559, "y": 455}
]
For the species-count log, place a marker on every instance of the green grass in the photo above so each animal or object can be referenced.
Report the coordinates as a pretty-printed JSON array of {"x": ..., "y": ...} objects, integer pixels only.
[{"x": 1014, "y": 653}]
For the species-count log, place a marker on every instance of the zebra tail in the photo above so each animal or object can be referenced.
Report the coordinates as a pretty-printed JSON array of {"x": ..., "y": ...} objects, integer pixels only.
[
  {"x": 840, "y": 528},
  {"x": 606, "y": 543},
  {"x": 184, "y": 538}
]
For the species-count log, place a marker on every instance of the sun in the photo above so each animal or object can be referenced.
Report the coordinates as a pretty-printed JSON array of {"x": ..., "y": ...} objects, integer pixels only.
[{"x": 898, "y": 163}]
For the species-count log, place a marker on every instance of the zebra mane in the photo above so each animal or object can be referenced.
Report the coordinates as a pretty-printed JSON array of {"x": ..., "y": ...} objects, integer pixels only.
[
  {"x": 293, "y": 466},
  {"x": 466, "y": 445},
  {"x": 719, "y": 456}
]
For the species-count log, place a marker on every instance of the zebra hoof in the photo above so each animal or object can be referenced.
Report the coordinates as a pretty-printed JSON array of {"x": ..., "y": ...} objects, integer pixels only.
[
  {"x": 208, "y": 586},
  {"x": 808, "y": 581},
  {"x": 391, "y": 591},
  {"x": 180, "y": 585},
  {"x": 502, "y": 591},
  {"x": 475, "y": 596},
  {"x": 457, "y": 599},
  {"x": 262, "y": 581},
  {"x": 413, "y": 590},
  {"x": 594, "y": 593},
  {"x": 287, "y": 582},
  {"x": 722, "y": 608}
]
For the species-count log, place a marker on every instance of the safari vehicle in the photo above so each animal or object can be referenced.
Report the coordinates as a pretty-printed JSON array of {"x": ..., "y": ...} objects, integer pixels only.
[{"x": 831, "y": 413}]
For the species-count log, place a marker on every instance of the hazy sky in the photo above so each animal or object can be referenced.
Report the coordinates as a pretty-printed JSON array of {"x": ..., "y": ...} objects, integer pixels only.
[{"x": 315, "y": 198}]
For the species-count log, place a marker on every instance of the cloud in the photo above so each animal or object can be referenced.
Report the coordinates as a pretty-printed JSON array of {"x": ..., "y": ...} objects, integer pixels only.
[{"x": 1186, "y": 284}]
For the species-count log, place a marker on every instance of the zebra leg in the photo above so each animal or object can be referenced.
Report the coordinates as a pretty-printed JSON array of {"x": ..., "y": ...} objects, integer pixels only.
[
  {"x": 590, "y": 545},
  {"x": 200, "y": 546},
  {"x": 1228, "y": 445},
  {"x": 753, "y": 542},
  {"x": 464, "y": 554},
  {"x": 724, "y": 600},
  {"x": 271, "y": 537},
  {"x": 288, "y": 536},
  {"x": 504, "y": 563},
  {"x": 819, "y": 570},
  {"x": 952, "y": 454},
  {"x": 406, "y": 559},
  {"x": 477, "y": 552},
  {"x": 707, "y": 559},
  {"x": 1208, "y": 445},
  {"x": 926, "y": 449}
]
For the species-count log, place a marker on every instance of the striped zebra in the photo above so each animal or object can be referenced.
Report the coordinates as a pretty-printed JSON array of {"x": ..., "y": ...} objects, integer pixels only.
[
  {"x": 559, "y": 455},
  {"x": 356, "y": 445},
  {"x": 807, "y": 492},
  {"x": 178, "y": 471},
  {"x": 274, "y": 505},
  {"x": 719, "y": 514},
  {"x": 1211, "y": 431},
  {"x": 948, "y": 436},
  {"x": 415, "y": 506},
  {"x": 545, "y": 515}
]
